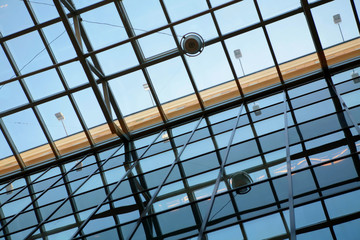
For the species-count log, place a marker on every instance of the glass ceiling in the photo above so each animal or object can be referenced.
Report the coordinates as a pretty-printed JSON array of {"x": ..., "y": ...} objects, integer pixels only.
[{"x": 111, "y": 68}]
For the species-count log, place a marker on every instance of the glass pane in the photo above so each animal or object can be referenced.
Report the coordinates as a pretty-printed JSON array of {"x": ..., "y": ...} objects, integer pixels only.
[
  {"x": 141, "y": 18},
  {"x": 10, "y": 12},
  {"x": 170, "y": 80},
  {"x": 276, "y": 7},
  {"x": 44, "y": 84},
  {"x": 180, "y": 9},
  {"x": 295, "y": 44},
  {"x": 28, "y": 52},
  {"x": 59, "y": 42},
  {"x": 117, "y": 59},
  {"x": 103, "y": 26},
  {"x": 237, "y": 16},
  {"x": 11, "y": 95},
  {"x": 44, "y": 10}
]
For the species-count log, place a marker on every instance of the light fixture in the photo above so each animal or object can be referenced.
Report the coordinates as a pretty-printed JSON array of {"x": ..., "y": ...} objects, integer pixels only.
[
  {"x": 238, "y": 55},
  {"x": 9, "y": 188},
  {"x": 256, "y": 109},
  {"x": 61, "y": 118},
  {"x": 79, "y": 166},
  {"x": 337, "y": 20},
  {"x": 355, "y": 77},
  {"x": 192, "y": 44},
  {"x": 165, "y": 137},
  {"x": 239, "y": 181}
]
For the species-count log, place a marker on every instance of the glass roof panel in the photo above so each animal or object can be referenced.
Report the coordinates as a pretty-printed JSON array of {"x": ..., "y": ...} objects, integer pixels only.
[
  {"x": 156, "y": 60},
  {"x": 9, "y": 17},
  {"x": 170, "y": 80},
  {"x": 131, "y": 94},
  {"x": 74, "y": 74},
  {"x": 103, "y": 26},
  {"x": 44, "y": 84},
  {"x": 211, "y": 67},
  {"x": 157, "y": 43},
  {"x": 60, "y": 128},
  {"x": 44, "y": 10},
  {"x": 25, "y": 130},
  {"x": 331, "y": 33},
  {"x": 203, "y": 25},
  {"x": 274, "y": 8},
  {"x": 143, "y": 20},
  {"x": 89, "y": 108},
  {"x": 11, "y": 95},
  {"x": 237, "y": 16},
  {"x": 59, "y": 42},
  {"x": 295, "y": 43},
  {"x": 29, "y": 52},
  {"x": 181, "y": 9},
  {"x": 117, "y": 59}
]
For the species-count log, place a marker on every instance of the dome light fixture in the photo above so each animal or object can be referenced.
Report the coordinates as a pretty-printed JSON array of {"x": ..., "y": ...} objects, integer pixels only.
[
  {"x": 239, "y": 181},
  {"x": 192, "y": 44}
]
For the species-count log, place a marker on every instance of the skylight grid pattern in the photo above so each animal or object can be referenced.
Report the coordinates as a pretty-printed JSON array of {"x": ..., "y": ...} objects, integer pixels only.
[
  {"x": 90, "y": 61},
  {"x": 139, "y": 189}
]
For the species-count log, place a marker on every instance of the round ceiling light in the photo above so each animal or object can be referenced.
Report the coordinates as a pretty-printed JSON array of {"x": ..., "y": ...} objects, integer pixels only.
[
  {"x": 192, "y": 44},
  {"x": 239, "y": 180}
]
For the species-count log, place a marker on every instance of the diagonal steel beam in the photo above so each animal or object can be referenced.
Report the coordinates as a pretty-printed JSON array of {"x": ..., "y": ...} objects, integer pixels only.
[{"x": 86, "y": 67}]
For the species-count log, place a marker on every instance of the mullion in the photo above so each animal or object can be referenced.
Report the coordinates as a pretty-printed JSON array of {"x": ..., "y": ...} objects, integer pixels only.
[
  {"x": 152, "y": 200},
  {"x": 269, "y": 43},
  {"x": 139, "y": 187},
  {"x": 41, "y": 194},
  {"x": 60, "y": 74},
  {"x": 31, "y": 100},
  {"x": 226, "y": 36},
  {"x": 12, "y": 145},
  {"x": 24, "y": 187},
  {"x": 186, "y": 65},
  {"x": 112, "y": 191},
  {"x": 222, "y": 40},
  {"x": 140, "y": 56},
  {"x": 97, "y": 66},
  {"x": 35, "y": 204},
  {"x": 357, "y": 20},
  {"x": 232, "y": 198},
  {"x": 92, "y": 81},
  {"x": 107, "y": 190},
  {"x": 288, "y": 173},
  {"x": 219, "y": 177},
  {"x": 302, "y": 142},
  {"x": 70, "y": 196},
  {"x": 194, "y": 208},
  {"x": 325, "y": 68}
]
